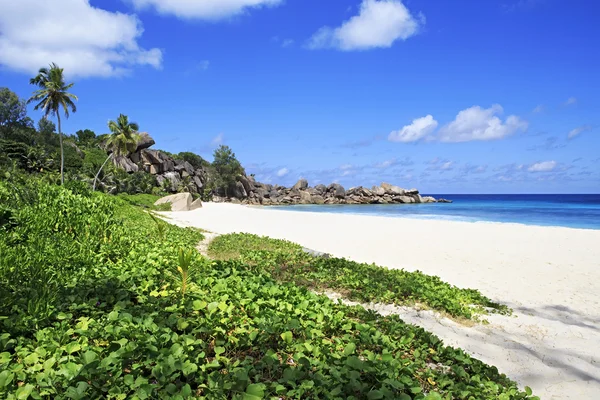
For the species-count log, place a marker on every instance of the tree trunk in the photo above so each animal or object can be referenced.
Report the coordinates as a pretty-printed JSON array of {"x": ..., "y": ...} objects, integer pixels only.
[
  {"x": 100, "y": 170},
  {"x": 62, "y": 153}
]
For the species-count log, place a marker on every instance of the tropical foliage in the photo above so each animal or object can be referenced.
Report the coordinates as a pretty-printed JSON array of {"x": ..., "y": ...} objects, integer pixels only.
[
  {"x": 289, "y": 262},
  {"x": 93, "y": 305},
  {"x": 51, "y": 97},
  {"x": 227, "y": 168},
  {"x": 122, "y": 140}
]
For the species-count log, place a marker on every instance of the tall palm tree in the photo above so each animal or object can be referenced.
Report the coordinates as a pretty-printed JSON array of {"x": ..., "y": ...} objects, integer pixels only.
[
  {"x": 122, "y": 140},
  {"x": 51, "y": 96}
]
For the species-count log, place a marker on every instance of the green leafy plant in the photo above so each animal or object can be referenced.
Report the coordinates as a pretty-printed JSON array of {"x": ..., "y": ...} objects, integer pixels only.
[
  {"x": 185, "y": 270},
  {"x": 116, "y": 326},
  {"x": 288, "y": 262}
]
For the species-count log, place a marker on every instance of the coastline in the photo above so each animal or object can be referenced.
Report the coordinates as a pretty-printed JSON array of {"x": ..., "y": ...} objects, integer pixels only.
[
  {"x": 550, "y": 276},
  {"x": 416, "y": 217}
]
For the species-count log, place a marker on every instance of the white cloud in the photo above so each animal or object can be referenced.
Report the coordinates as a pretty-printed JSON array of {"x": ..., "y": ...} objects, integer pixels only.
[
  {"x": 345, "y": 167},
  {"x": 203, "y": 65},
  {"x": 540, "y": 108},
  {"x": 203, "y": 9},
  {"x": 84, "y": 40},
  {"x": 544, "y": 166},
  {"x": 287, "y": 42},
  {"x": 379, "y": 23},
  {"x": 477, "y": 123},
  {"x": 579, "y": 130},
  {"x": 571, "y": 101},
  {"x": 283, "y": 172},
  {"x": 417, "y": 130},
  {"x": 218, "y": 140}
]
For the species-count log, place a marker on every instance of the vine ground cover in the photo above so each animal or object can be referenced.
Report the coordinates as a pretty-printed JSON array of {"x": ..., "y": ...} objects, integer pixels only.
[
  {"x": 287, "y": 261},
  {"x": 91, "y": 306}
]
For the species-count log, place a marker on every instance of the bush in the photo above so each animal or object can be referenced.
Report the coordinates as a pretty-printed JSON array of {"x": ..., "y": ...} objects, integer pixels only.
[{"x": 195, "y": 160}]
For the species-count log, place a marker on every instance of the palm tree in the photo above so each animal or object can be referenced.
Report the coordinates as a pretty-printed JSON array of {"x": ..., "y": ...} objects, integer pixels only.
[
  {"x": 122, "y": 140},
  {"x": 51, "y": 96}
]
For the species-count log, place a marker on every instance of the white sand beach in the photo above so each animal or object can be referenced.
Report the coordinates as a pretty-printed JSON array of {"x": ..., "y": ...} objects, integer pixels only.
[{"x": 549, "y": 276}]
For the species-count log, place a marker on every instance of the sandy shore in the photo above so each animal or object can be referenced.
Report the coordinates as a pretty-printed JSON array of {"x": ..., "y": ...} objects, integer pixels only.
[{"x": 549, "y": 276}]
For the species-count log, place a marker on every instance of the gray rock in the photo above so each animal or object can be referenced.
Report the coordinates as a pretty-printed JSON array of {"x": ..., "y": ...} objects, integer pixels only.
[
  {"x": 337, "y": 190},
  {"x": 317, "y": 199},
  {"x": 189, "y": 168},
  {"x": 173, "y": 179},
  {"x": 179, "y": 201},
  {"x": 406, "y": 199},
  {"x": 305, "y": 197},
  {"x": 301, "y": 184},
  {"x": 429, "y": 199},
  {"x": 444, "y": 201},
  {"x": 196, "y": 204},
  {"x": 378, "y": 190},
  {"x": 145, "y": 141},
  {"x": 168, "y": 165},
  {"x": 393, "y": 190},
  {"x": 135, "y": 157},
  {"x": 248, "y": 185},
  {"x": 197, "y": 182},
  {"x": 152, "y": 157},
  {"x": 411, "y": 192},
  {"x": 155, "y": 169},
  {"x": 238, "y": 191},
  {"x": 125, "y": 164},
  {"x": 321, "y": 189}
]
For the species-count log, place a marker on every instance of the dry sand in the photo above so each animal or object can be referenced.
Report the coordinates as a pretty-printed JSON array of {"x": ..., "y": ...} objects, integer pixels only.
[{"x": 549, "y": 276}]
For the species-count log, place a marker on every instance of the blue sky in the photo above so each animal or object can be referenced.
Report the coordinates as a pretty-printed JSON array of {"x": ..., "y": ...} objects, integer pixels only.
[{"x": 447, "y": 96}]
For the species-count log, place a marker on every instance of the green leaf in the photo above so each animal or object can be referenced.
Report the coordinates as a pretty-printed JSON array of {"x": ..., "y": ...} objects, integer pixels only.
[
  {"x": 72, "y": 347},
  {"x": 89, "y": 356},
  {"x": 199, "y": 305},
  {"x": 24, "y": 391},
  {"x": 374, "y": 395},
  {"x": 528, "y": 391},
  {"x": 287, "y": 337},
  {"x": 219, "y": 350},
  {"x": 433, "y": 396},
  {"x": 255, "y": 391},
  {"x": 6, "y": 378},
  {"x": 189, "y": 368},
  {"x": 349, "y": 349},
  {"x": 31, "y": 359}
]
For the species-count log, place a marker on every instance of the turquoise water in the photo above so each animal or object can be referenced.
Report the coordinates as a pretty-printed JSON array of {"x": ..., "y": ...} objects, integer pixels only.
[{"x": 572, "y": 210}]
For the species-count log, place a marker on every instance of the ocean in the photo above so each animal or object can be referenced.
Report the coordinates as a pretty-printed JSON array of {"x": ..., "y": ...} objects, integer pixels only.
[{"x": 566, "y": 210}]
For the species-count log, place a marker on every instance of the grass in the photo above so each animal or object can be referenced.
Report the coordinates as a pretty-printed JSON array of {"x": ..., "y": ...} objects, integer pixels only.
[
  {"x": 287, "y": 262},
  {"x": 145, "y": 201}
]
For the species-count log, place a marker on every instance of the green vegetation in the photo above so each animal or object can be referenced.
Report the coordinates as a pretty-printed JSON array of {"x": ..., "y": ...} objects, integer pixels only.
[
  {"x": 51, "y": 96},
  {"x": 122, "y": 140},
  {"x": 97, "y": 302},
  {"x": 145, "y": 201},
  {"x": 288, "y": 262},
  {"x": 227, "y": 169}
]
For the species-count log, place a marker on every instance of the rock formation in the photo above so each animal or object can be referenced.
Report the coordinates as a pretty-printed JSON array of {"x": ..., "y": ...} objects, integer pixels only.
[
  {"x": 257, "y": 193},
  {"x": 179, "y": 201},
  {"x": 178, "y": 175}
]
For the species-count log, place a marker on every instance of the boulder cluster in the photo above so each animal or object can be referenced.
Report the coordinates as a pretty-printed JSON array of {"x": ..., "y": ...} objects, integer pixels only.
[
  {"x": 170, "y": 173},
  {"x": 248, "y": 191},
  {"x": 178, "y": 175}
]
